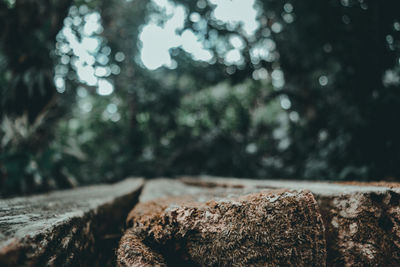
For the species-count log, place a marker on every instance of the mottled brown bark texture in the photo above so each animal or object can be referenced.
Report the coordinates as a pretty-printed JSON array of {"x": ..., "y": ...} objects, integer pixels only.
[
  {"x": 362, "y": 220},
  {"x": 362, "y": 229},
  {"x": 268, "y": 228}
]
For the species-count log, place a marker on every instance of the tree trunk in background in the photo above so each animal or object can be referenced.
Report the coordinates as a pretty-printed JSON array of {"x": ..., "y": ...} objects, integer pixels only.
[{"x": 28, "y": 32}]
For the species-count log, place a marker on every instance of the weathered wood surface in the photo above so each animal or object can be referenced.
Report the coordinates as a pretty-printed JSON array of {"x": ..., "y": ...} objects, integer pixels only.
[
  {"x": 65, "y": 228},
  {"x": 200, "y": 226},
  {"x": 204, "y": 221}
]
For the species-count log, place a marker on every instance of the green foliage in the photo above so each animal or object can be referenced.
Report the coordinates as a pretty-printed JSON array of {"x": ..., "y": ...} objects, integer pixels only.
[
  {"x": 28, "y": 165},
  {"x": 314, "y": 96},
  {"x": 29, "y": 104}
]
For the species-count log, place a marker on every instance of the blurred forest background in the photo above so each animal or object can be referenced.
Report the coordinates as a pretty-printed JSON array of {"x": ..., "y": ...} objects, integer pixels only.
[{"x": 308, "y": 90}]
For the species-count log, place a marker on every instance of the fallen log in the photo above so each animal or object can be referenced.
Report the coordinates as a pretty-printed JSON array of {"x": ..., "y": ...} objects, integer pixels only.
[
  {"x": 362, "y": 220},
  {"x": 223, "y": 228},
  {"x": 77, "y": 227}
]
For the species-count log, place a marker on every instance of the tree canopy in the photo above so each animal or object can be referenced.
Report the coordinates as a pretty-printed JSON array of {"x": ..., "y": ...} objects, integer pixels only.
[{"x": 310, "y": 91}]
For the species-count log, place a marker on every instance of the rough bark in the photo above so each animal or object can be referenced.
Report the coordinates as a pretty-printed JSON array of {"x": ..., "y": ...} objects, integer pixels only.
[
  {"x": 206, "y": 222},
  {"x": 362, "y": 229},
  {"x": 362, "y": 220},
  {"x": 269, "y": 228}
]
